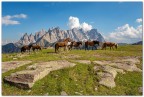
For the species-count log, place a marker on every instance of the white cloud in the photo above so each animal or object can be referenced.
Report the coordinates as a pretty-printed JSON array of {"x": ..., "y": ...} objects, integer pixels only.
[
  {"x": 86, "y": 27},
  {"x": 139, "y": 20},
  {"x": 74, "y": 23},
  {"x": 20, "y": 16},
  {"x": 126, "y": 33},
  {"x": 8, "y": 20}
]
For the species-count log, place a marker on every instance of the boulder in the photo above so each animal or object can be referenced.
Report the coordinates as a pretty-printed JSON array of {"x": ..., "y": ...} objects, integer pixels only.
[
  {"x": 63, "y": 93},
  {"x": 26, "y": 78},
  {"x": 6, "y": 66}
]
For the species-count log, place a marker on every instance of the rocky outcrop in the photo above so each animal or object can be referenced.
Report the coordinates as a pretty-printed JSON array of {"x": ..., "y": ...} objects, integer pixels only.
[
  {"x": 6, "y": 66},
  {"x": 107, "y": 75},
  {"x": 83, "y": 61},
  {"x": 25, "y": 79},
  {"x": 128, "y": 64},
  {"x": 107, "y": 70}
]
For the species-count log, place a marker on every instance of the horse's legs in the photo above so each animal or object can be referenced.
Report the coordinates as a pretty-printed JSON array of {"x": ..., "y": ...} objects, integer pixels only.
[
  {"x": 64, "y": 48},
  {"x": 95, "y": 47}
]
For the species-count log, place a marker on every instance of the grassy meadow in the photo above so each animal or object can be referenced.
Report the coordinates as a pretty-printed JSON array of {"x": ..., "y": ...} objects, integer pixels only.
[{"x": 80, "y": 79}]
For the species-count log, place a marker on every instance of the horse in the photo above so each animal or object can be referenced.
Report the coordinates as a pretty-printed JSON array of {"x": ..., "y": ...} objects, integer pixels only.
[
  {"x": 70, "y": 45},
  {"x": 26, "y": 47},
  {"x": 91, "y": 43},
  {"x": 109, "y": 44},
  {"x": 62, "y": 44},
  {"x": 37, "y": 47},
  {"x": 76, "y": 44}
]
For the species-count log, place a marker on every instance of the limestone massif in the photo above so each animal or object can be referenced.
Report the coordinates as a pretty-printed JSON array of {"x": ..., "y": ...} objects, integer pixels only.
[{"x": 50, "y": 37}]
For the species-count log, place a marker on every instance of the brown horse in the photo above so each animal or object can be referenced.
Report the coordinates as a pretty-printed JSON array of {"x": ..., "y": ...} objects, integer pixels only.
[
  {"x": 26, "y": 47},
  {"x": 37, "y": 47},
  {"x": 109, "y": 44},
  {"x": 62, "y": 44},
  {"x": 91, "y": 43},
  {"x": 75, "y": 44}
]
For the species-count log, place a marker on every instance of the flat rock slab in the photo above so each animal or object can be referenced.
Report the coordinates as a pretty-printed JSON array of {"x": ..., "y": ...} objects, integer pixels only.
[
  {"x": 6, "y": 66},
  {"x": 109, "y": 69},
  {"x": 71, "y": 56},
  {"x": 25, "y": 79},
  {"x": 128, "y": 64},
  {"x": 107, "y": 80},
  {"x": 107, "y": 75},
  {"x": 83, "y": 61}
]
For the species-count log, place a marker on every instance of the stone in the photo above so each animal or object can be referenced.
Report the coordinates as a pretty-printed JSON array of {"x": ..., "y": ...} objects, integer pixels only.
[
  {"x": 107, "y": 70},
  {"x": 112, "y": 70},
  {"x": 83, "y": 61},
  {"x": 46, "y": 94},
  {"x": 63, "y": 93},
  {"x": 26, "y": 78},
  {"x": 107, "y": 75},
  {"x": 140, "y": 89},
  {"x": 101, "y": 62},
  {"x": 71, "y": 56},
  {"x": 107, "y": 81},
  {"x": 96, "y": 88},
  {"x": 14, "y": 58},
  {"x": 97, "y": 68},
  {"x": 77, "y": 93},
  {"x": 29, "y": 91},
  {"x": 6, "y": 66},
  {"x": 127, "y": 66}
]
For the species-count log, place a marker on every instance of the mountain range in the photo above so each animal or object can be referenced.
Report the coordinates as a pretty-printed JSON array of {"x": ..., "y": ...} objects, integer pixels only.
[{"x": 50, "y": 37}]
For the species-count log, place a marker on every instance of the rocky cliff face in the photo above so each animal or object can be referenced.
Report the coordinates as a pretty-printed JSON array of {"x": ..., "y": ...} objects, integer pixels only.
[{"x": 50, "y": 37}]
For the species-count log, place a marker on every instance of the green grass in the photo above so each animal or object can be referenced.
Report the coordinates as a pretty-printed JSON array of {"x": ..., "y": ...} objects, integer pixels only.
[{"x": 80, "y": 79}]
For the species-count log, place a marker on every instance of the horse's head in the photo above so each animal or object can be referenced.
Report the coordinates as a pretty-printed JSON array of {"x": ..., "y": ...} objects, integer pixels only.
[
  {"x": 80, "y": 42},
  {"x": 67, "y": 40},
  {"x": 30, "y": 45},
  {"x": 96, "y": 42}
]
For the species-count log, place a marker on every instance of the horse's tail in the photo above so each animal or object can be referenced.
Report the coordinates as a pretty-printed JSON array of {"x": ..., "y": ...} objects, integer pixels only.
[
  {"x": 104, "y": 45},
  {"x": 86, "y": 45}
]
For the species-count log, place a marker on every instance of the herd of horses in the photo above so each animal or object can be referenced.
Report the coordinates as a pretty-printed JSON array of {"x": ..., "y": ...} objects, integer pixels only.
[{"x": 69, "y": 44}]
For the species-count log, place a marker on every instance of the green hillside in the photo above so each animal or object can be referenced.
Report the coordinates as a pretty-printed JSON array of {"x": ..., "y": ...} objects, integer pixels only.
[{"x": 80, "y": 79}]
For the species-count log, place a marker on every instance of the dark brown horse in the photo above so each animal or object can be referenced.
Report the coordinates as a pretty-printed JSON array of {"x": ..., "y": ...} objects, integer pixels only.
[
  {"x": 36, "y": 47},
  {"x": 26, "y": 47},
  {"x": 91, "y": 43},
  {"x": 109, "y": 44},
  {"x": 75, "y": 44},
  {"x": 62, "y": 44}
]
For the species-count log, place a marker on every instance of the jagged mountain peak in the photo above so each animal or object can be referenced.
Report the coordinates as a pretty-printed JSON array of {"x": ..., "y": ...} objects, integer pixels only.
[{"x": 54, "y": 34}]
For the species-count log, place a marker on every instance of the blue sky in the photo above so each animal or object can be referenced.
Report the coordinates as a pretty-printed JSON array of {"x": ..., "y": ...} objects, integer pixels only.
[{"x": 104, "y": 16}]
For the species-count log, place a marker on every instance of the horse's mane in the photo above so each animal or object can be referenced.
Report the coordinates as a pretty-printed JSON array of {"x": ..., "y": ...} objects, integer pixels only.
[{"x": 67, "y": 39}]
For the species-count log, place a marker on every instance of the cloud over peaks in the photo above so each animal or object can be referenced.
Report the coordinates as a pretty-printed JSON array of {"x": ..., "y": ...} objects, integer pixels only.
[
  {"x": 126, "y": 34},
  {"x": 9, "y": 20},
  {"x": 74, "y": 23},
  {"x": 139, "y": 20}
]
